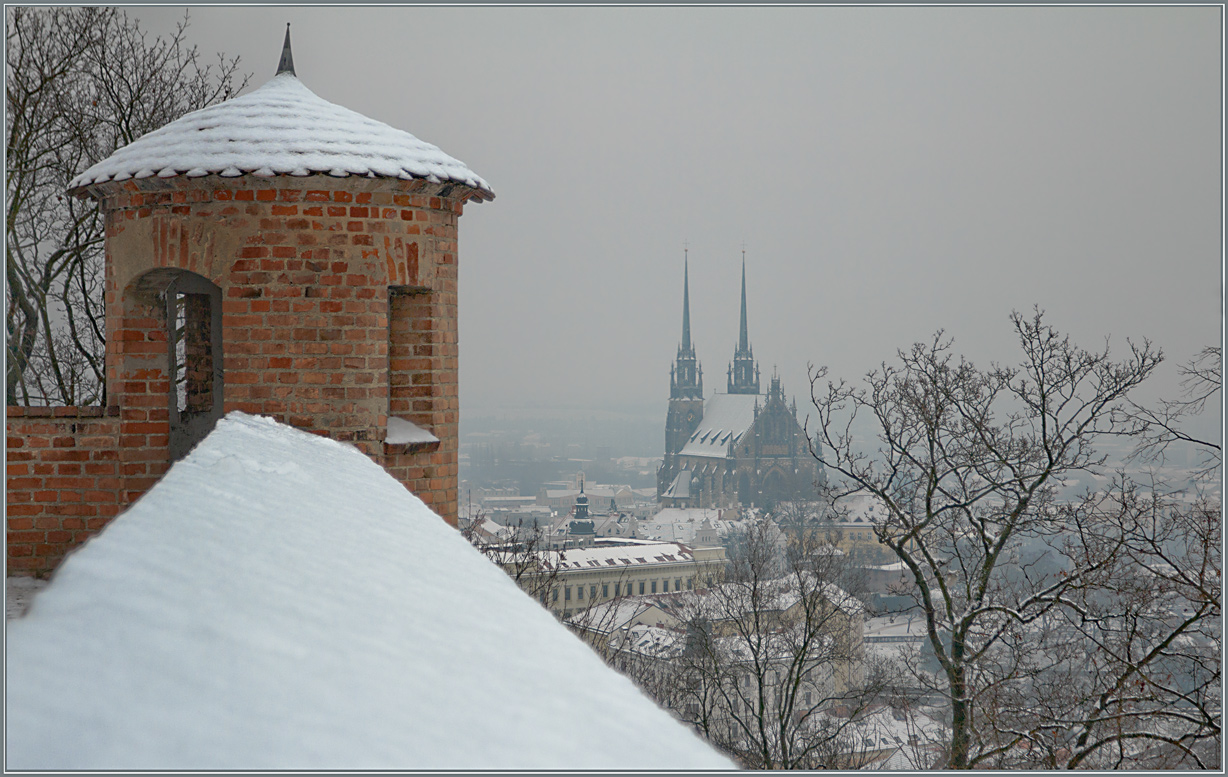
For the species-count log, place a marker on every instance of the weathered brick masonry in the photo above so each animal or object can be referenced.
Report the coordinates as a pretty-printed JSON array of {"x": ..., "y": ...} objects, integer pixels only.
[
  {"x": 275, "y": 254},
  {"x": 338, "y": 307},
  {"x": 63, "y": 481}
]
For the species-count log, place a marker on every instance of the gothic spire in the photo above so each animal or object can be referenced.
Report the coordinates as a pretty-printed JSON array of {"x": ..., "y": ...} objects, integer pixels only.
[
  {"x": 686, "y": 302},
  {"x": 686, "y": 376},
  {"x": 743, "y": 372},
  {"x": 286, "y": 64},
  {"x": 743, "y": 338}
]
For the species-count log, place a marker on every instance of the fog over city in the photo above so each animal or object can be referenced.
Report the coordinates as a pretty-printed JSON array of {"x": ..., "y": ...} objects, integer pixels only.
[{"x": 888, "y": 172}]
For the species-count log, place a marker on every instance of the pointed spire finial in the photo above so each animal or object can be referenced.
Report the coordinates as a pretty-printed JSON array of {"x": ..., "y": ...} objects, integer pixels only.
[
  {"x": 743, "y": 339},
  {"x": 286, "y": 64},
  {"x": 686, "y": 301}
]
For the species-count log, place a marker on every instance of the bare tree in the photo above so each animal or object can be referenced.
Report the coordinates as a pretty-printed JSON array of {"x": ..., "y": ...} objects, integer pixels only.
[
  {"x": 770, "y": 665},
  {"x": 1161, "y": 428},
  {"x": 1125, "y": 672},
  {"x": 80, "y": 83},
  {"x": 966, "y": 472},
  {"x": 523, "y": 552}
]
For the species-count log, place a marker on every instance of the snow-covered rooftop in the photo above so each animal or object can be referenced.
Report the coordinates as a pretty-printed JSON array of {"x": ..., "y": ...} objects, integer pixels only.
[
  {"x": 726, "y": 417},
  {"x": 682, "y": 524},
  {"x": 895, "y": 628},
  {"x": 610, "y": 555},
  {"x": 282, "y": 128},
  {"x": 778, "y": 594},
  {"x": 681, "y": 487},
  {"x": 612, "y": 615},
  {"x": 278, "y": 601}
]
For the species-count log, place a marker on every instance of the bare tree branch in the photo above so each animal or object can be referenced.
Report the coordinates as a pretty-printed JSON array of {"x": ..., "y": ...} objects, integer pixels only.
[
  {"x": 1061, "y": 630},
  {"x": 80, "y": 83}
]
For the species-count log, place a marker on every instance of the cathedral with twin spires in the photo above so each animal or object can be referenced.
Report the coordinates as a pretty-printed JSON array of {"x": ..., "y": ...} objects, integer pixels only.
[{"x": 739, "y": 448}]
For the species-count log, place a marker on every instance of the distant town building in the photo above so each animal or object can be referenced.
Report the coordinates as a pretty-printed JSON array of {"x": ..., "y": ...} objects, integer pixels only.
[
  {"x": 649, "y": 637},
  {"x": 738, "y": 448},
  {"x": 850, "y": 527},
  {"x": 696, "y": 526},
  {"x": 614, "y": 568},
  {"x": 601, "y": 498}
]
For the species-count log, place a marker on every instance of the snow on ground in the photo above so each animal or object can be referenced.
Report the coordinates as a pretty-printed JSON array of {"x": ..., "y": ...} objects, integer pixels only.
[{"x": 278, "y": 601}]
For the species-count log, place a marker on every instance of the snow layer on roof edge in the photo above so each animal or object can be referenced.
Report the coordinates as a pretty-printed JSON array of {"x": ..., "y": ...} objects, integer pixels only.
[
  {"x": 278, "y": 601},
  {"x": 285, "y": 128}
]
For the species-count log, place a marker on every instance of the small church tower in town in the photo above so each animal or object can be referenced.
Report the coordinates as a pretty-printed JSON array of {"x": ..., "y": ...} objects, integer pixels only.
[{"x": 276, "y": 254}]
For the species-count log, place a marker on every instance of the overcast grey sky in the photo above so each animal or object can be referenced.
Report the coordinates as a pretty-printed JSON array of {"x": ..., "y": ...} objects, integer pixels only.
[{"x": 890, "y": 170}]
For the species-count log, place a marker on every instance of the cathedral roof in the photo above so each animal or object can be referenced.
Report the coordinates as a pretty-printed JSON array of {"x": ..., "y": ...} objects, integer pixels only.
[
  {"x": 282, "y": 128},
  {"x": 726, "y": 417},
  {"x": 681, "y": 487}
]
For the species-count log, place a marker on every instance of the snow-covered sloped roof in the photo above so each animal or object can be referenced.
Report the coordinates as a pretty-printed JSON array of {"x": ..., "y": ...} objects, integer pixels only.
[
  {"x": 778, "y": 594},
  {"x": 611, "y": 616},
  {"x": 617, "y": 555},
  {"x": 726, "y": 417},
  {"x": 278, "y": 601},
  {"x": 681, "y": 524},
  {"x": 282, "y": 128},
  {"x": 681, "y": 487}
]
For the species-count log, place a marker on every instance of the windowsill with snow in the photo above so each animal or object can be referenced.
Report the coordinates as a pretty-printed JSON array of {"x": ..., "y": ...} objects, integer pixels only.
[
  {"x": 406, "y": 433},
  {"x": 278, "y": 601}
]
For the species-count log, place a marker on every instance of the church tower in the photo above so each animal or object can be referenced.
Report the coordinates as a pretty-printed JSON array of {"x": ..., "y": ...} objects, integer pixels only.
[
  {"x": 686, "y": 377},
  {"x": 581, "y": 512},
  {"x": 743, "y": 372},
  {"x": 686, "y": 391}
]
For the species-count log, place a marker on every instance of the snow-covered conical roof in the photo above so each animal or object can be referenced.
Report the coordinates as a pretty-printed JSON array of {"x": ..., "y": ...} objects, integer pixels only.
[{"x": 282, "y": 128}]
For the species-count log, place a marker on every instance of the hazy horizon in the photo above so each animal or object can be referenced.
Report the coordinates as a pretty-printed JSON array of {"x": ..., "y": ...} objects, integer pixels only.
[{"x": 890, "y": 171}]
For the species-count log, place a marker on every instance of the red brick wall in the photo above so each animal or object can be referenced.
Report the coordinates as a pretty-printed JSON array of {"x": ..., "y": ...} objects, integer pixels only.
[
  {"x": 137, "y": 359},
  {"x": 308, "y": 269},
  {"x": 62, "y": 481},
  {"x": 423, "y": 389}
]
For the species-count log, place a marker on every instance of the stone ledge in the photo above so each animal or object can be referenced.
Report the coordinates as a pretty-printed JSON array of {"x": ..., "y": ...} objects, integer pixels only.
[{"x": 393, "y": 449}]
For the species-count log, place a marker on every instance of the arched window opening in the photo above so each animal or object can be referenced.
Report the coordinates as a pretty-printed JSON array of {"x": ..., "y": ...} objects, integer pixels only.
[
  {"x": 191, "y": 306},
  {"x": 194, "y": 364}
]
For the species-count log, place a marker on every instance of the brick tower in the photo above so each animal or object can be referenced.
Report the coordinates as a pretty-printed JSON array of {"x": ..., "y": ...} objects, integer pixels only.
[{"x": 274, "y": 254}]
